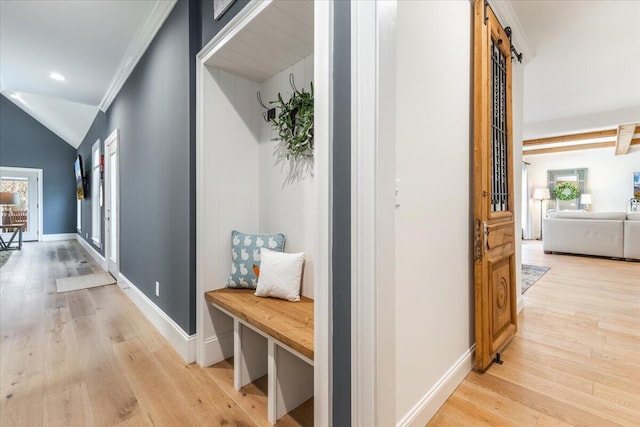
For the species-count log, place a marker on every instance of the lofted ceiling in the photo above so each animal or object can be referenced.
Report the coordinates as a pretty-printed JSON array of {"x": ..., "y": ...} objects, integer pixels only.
[
  {"x": 586, "y": 71},
  {"x": 583, "y": 76},
  {"x": 94, "y": 44}
]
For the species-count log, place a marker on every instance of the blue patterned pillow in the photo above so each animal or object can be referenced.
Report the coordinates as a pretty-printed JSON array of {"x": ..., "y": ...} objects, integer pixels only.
[{"x": 245, "y": 257}]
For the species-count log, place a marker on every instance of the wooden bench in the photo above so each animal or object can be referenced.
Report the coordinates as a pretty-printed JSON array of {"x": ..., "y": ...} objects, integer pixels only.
[{"x": 288, "y": 357}]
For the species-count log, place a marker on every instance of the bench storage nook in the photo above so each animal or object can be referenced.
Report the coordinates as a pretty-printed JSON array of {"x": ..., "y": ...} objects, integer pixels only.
[{"x": 272, "y": 337}]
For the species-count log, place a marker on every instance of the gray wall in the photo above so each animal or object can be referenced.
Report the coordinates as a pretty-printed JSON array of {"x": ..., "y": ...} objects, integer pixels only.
[
  {"x": 210, "y": 27},
  {"x": 25, "y": 143},
  {"x": 154, "y": 113},
  {"x": 95, "y": 132},
  {"x": 341, "y": 256}
]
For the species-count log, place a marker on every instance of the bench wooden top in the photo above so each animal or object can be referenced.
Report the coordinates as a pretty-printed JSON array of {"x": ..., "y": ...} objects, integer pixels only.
[{"x": 289, "y": 322}]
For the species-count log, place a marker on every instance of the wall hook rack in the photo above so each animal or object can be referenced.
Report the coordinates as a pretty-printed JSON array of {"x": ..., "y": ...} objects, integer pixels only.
[{"x": 270, "y": 113}]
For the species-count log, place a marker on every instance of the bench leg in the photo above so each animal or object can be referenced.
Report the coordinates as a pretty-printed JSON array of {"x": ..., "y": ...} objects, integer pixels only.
[
  {"x": 250, "y": 355},
  {"x": 290, "y": 382},
  {"x": 294, "y": 382},
  {"x": 237, "y": 355},
  {"x": 272, "y": 379}
]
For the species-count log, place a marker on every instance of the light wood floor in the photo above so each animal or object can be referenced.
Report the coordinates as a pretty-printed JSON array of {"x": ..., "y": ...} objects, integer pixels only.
[
  {"x": 576, "y": 358},
  {"x": 90, "y": 358}
]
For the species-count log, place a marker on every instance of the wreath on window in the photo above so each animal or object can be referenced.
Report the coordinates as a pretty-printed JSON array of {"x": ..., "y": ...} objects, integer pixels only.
[
  {"x": 566, "y": 191},
  {"x": 295, "y": 124}
]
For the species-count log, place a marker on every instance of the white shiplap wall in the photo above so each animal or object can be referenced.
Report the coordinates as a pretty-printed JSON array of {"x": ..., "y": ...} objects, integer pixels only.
[
  {"x": 230, "y": 185},
  {"x": 244, "y": 188},
  {"x": 287, "y": 208}
]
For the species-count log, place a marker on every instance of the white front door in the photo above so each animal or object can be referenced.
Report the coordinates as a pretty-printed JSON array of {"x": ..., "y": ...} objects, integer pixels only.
[
  {"x": 24, "y": 182},
  {"x": 111, "y": 199}
]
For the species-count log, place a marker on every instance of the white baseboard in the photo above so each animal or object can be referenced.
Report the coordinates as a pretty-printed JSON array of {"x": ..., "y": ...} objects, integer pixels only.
[
  {"x": 427, "y": 407},
  {"x": 91, "y": 250},
  {"x": 183, "y": 343},
  {"x": 214, "y": 348},
  {"x": 56, "y": 237}
]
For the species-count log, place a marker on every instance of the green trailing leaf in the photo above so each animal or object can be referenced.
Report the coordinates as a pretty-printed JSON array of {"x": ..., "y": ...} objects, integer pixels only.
[{"x": 295, "y": 124}]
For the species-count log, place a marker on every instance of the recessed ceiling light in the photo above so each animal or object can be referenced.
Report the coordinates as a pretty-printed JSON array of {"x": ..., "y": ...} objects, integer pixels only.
[
  {"x": 57, "y": 76},
  {"x": 17, "y": 97}
]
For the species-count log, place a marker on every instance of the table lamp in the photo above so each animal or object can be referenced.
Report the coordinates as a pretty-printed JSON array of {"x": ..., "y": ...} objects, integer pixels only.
[{"x": 8, "y": 199}]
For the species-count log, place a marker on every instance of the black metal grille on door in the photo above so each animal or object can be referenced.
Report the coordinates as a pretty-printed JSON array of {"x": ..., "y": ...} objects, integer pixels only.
[{"x": 499, "y": 143}]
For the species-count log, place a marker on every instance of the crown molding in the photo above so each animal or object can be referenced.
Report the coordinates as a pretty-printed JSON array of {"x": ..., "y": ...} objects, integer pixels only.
[
  {"x": 136, "y": 49},
  {"x": 509, "y": 18}
]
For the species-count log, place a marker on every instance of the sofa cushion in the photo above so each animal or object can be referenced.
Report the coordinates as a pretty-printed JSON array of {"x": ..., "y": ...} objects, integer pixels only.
[
  {"x": 632, "y": 239},
  {"x": 633, "y": 216},
  {"x": 587, "y": 215},
  {"x": 595, "y": 237}
]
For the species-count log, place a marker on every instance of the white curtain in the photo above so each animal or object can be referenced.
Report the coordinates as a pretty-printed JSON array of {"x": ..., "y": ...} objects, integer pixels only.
[{"x": 527, "y": 228}]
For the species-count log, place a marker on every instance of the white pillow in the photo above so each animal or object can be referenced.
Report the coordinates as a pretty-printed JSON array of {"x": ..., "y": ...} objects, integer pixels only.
[{"x": 280, "y": 275}]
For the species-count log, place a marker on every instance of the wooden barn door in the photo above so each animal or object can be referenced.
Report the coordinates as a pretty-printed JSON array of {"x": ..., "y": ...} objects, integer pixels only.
[{"x": 494, "y": 227}]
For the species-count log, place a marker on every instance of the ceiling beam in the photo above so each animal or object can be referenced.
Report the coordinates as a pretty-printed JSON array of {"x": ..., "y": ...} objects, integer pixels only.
[
  {"x": 572, "y": 137},
  {"x": 623, "y": 138},
  {"x": 576, "y": 147}
]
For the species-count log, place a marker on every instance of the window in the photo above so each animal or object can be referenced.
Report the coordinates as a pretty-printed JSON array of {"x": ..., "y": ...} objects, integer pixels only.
[
  {"x": 577, "y": 176},
  {"x": 96, "y": 224},
  {"x": 79, "y": 215}
]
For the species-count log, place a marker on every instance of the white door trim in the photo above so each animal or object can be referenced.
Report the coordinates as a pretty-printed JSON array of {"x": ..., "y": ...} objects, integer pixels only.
[
  {"x": 40, "y": 231},
  {"x": 323, "y": 71},
  {"x": 373, "y": 213},
  {"x": 323, "y": 165},
  {"x": 112, "y": 139}
]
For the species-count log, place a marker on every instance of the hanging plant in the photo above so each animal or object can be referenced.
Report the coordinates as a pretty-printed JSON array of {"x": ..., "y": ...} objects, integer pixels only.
[
  {"x": 566, "y": 191},
  {"x": 295, "y": 124}
]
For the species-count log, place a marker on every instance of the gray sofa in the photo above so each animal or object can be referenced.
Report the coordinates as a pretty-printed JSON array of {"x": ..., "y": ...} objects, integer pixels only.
[
  {"x": 632, "y": 236},
  {"x": 610, "y": 234}
]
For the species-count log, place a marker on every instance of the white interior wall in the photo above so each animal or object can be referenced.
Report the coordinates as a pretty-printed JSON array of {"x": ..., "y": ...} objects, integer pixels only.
[
  {"x": 434, "y": 297},
  {"x": 434, "y": 270},
  {"x": 287, "y": 208},
  {"x": 610, "y": 177},
  {"x": 244, "y": 189},
  {"x": 230, "y": 157},
  {"x": 517, "y": 98}
]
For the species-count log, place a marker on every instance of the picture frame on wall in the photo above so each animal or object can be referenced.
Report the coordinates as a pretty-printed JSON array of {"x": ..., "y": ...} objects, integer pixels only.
[
  {"x": 220, "y": 7},
  {"x": 636, "y": 185}
]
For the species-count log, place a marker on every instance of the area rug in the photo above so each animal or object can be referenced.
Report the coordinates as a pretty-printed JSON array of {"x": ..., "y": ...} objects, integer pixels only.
[
  {"x": 4, "y": 257},
  {"x": 531, "y": 274},
  {"x": 84, "y": 282}
]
